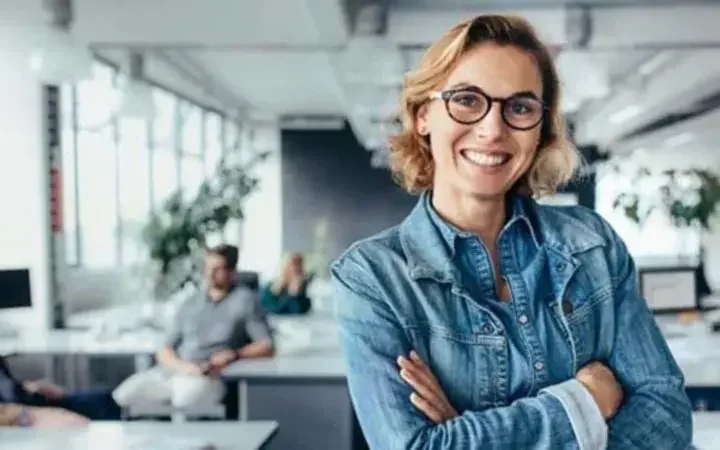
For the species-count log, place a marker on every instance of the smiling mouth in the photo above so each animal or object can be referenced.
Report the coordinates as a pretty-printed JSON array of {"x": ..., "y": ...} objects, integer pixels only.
[{"x": 485, "y": 159}]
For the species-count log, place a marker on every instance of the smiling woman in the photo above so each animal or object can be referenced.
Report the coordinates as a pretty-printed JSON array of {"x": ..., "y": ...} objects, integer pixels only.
[{"x": 486, "y": 320}]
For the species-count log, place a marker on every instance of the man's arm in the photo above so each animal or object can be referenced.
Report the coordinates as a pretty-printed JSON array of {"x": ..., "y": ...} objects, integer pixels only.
[
  {"x": 257, "y": 327},
  {"x": 656, "y": 412},
  {"x": 372, "y": 340},
  {"x": 167, "y": 355}
]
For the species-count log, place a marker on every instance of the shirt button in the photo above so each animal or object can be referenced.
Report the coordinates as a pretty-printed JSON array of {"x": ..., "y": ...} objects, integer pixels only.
[
  {"x": 539, "y": 365},
  {"x": 523, "y": 319},
  {"x": 567, "y": 307}
]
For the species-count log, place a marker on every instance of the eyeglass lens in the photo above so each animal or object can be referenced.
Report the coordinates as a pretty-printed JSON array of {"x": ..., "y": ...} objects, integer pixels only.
[{"x": 519, "y": 111}]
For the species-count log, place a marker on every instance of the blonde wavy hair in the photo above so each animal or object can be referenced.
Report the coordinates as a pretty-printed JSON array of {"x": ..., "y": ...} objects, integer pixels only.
[{"x": 410, "y": 158}]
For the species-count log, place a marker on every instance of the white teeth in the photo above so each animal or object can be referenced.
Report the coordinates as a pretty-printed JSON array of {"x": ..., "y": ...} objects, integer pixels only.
[{"x": 484, "y": 159}]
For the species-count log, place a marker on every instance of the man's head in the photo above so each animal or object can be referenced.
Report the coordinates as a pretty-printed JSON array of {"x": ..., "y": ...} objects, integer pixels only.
[{"x": 220, "y": 266}]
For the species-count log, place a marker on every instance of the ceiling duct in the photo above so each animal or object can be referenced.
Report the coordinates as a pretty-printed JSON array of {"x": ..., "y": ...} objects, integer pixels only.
[{"x": 698, "y": 108}]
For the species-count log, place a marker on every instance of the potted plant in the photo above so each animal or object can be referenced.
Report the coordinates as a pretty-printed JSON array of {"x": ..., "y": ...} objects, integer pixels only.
[
  {"x": 689, "y": 197},
  {"x": 177, "y": 233}
]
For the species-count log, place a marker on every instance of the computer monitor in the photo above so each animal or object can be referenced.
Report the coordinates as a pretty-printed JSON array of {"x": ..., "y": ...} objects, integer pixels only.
[{"x": 15, "y": 289}]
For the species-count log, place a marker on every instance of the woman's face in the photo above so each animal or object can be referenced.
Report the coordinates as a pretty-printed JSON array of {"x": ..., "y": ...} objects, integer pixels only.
[{"x": 486, "y": 158}]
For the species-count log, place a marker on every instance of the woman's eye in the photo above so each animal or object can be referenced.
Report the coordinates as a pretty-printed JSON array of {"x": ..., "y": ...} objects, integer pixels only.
[{"x": 468, "y": 101}]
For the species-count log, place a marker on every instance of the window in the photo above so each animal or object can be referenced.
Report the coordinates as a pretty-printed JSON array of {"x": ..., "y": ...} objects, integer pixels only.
[
  {"x": 96, "y": 170},
  {"x": 116, "y": 171},
  {"x": 213, "y": 142},
  {"x": 163, "y": 134},
  {"x": 190, "y": 129},
  {"x": 97, "y": 189},
  {"x": 134, "y": 183},
  {"x": 164, "y": 175}
]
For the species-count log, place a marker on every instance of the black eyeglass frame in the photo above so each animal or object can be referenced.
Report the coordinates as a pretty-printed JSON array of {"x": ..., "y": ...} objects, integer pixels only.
[{"x": 447, "y": 94}]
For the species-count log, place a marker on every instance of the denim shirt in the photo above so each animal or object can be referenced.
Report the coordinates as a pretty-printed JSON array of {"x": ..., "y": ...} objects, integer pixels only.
[{"x": 508, "y": 369}]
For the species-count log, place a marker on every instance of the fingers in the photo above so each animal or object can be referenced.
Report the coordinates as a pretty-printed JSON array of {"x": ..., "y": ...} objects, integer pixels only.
[
  {"x": 421, "y": 387},
  {"x": 428, "y": 395},
  {"x": 427, "y": 408},
  {"x": 419, "y": 370}
]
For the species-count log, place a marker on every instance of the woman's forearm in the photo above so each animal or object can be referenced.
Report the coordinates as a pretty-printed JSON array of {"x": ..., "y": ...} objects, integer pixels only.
[{"x": 10, "y": 414}]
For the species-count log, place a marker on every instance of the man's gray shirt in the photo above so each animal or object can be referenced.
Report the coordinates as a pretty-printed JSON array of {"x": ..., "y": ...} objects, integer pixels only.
[{"x": 203, "y": 327}]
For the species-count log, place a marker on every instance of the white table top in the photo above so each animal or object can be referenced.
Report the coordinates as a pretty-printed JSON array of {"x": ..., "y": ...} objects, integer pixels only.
[
  {"x": 59, "y": 342},
  {"x": 706, "y": 430},
  {"x": 307, "y": 347},
  {"x": 142, "y": 436}
]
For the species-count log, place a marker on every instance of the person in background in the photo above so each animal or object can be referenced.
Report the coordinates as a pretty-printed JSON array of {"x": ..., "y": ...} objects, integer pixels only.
[
  {"x": 221, "y": 323},
  {"x": 41, "y": 403},
  {"x": 486, "y": 319},
  {"x": 287, "y": 294}
]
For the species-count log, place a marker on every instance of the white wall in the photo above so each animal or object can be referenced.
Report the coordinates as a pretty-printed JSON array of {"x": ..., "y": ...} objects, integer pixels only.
[
  {"x": 260, "y": 234},
  {"x": 24, "y": 217}
]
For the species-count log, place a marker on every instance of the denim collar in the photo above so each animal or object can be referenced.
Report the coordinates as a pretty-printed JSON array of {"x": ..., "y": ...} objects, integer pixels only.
[
  {"x": 429, "y": 245},
  {"x": 450, "y": 233}
]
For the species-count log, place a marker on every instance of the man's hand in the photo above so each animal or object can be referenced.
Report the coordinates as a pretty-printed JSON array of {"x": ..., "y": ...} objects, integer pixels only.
[
  {"x": 605, "y": 389},
  {"x": 222, "y": 359},
  {"x": 55, "y": 417},
  {"x": 191, "y": 369},
  {"x": 45, "y": 388},
  {"x": 428, "y": 396}
]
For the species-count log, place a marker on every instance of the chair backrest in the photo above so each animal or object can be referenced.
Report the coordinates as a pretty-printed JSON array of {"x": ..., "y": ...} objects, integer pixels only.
[{"x": 251, "y": 280}]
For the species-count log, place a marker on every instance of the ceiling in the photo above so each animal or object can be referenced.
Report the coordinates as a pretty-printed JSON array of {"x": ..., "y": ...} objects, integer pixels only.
[{"x": 292, "y": 58}]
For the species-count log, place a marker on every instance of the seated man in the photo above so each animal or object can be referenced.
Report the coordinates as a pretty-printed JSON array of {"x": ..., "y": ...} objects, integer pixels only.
[
  {"x": 39, "y": 403},
  {"x": 218, "y": 325}
]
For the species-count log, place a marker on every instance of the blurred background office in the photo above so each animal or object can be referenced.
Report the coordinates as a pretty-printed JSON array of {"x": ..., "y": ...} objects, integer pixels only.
[{"x": 133, "y": 134}]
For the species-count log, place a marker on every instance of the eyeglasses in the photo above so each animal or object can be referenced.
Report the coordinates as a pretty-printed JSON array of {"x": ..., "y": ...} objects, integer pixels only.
[{"x": 469, "y": 105}]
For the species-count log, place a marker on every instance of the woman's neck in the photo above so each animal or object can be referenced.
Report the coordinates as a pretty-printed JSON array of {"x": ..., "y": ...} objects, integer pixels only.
[{"x": 483, "y": 217}]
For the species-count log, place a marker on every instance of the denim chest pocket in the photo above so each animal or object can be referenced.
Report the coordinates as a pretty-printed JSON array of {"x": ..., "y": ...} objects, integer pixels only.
[
  {"x": 591, "y": 322},
  {"x": 468, "y": 364}
]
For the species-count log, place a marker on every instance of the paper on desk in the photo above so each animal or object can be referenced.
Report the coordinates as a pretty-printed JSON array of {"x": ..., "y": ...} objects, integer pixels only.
[{"x": 165, "y": 443}]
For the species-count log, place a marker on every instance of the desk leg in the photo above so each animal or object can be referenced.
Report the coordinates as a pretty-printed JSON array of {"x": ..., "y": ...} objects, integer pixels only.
[{"x": 243, "y": 412}]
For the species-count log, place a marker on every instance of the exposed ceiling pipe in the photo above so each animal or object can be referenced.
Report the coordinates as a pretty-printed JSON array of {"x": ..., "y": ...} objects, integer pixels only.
[{"x": 229, "y": 100}]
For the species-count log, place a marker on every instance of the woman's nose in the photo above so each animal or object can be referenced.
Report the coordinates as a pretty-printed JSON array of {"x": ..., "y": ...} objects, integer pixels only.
[{"x": 492, "y": 126}]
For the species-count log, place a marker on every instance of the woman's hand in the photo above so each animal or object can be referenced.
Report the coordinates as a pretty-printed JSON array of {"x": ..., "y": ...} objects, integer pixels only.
[
  {"x": 428, "y": 396},
  {"x": 45, "y": 388}
]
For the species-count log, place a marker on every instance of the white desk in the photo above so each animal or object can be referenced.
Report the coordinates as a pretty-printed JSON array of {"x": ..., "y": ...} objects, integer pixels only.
[
  {"x": 77, "y": 346},
  {"x": 142, "y": 436},
  {"x": 303, "y": 387},
  {"x": 61, "y": 342},
  {"x": 695, "y": 348},
  {"x": 706, "y": 430}
]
